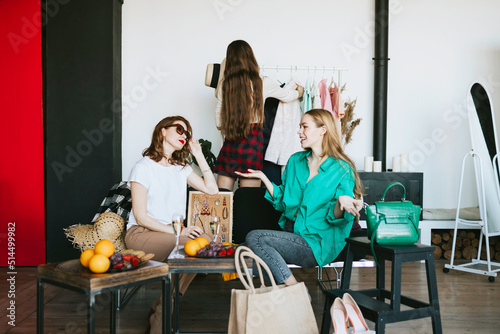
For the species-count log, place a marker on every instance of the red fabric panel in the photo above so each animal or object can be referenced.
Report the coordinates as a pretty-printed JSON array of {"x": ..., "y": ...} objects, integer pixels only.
[{"x": 21, "y": 133}]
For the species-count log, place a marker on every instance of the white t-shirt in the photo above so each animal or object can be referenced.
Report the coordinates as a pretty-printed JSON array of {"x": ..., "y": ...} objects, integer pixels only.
[{"x": 167, "y": 189}]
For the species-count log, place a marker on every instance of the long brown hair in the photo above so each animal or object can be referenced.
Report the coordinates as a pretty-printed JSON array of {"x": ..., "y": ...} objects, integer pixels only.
[
  {"x": 332, "y": 146},
  {"x": 242, "y": 100},
  {"x": 155, "y": 150}
]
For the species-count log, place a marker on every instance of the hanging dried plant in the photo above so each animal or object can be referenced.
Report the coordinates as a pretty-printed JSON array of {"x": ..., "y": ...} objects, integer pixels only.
[{"x": 348, "y": 123}]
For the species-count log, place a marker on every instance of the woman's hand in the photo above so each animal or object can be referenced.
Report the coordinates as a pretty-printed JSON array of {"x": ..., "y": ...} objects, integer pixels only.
[
  {"x": 195, "y": 147},
  {"x": 192, "y": 232},
  {"x": 351, "y": 205},
  {"x": 257, "y": 174},
  {"x": 252, "y": 174},
  {"x": 300, "y": 89},
  {"x": 359, "y": 203},
  {"x": 207, "y": 184}
]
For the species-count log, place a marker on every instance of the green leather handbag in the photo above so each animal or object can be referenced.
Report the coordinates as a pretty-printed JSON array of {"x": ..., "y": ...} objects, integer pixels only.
[{"x": 393, "y": 223}]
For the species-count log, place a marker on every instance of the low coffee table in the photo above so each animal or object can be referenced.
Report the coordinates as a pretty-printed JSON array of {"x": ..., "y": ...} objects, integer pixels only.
[
  {"x": 188, "y": 264},
  {"x": 73, "y": 276}
]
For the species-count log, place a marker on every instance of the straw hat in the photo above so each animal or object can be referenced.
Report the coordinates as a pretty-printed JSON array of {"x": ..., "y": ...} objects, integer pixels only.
[
  {"x": 214, "y": 75},
  {"x": 108, "y": 225}
]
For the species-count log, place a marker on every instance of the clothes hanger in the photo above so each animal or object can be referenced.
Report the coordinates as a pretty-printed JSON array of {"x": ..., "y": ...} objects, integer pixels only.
[
  {"x": 323, "y": 77},
  {"x": 294, "y": 74},
  {"x": 291, "y": 75},
  {"x": 263, "y": 71},
  {"x": 298, "y": 79},
  {"x": 276, "y": 75},
  {"x": 315, "y": 81},
  {"x": 332, "y": 83},
  {"x": 309, "y": 82}
]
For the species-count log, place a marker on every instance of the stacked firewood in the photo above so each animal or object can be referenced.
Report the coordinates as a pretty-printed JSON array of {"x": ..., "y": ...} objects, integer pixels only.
[{"x": 467, "y": 245}]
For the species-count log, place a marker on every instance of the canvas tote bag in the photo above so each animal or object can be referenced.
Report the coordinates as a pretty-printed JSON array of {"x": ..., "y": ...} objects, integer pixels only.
[{"x": 268, "y": 309}]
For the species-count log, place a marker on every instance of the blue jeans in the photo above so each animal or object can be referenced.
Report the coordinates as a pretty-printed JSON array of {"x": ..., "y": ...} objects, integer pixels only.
[{"x": 277, "y": 248}]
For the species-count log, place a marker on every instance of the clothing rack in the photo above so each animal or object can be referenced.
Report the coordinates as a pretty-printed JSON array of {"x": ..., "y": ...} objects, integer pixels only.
[
  {"x": 296, "y": 68},
  {"x": 302, "y": 68}
]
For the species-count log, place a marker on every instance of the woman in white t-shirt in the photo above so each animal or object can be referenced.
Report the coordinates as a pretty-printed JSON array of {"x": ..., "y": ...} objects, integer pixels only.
[{"x": 159, "y": 188}]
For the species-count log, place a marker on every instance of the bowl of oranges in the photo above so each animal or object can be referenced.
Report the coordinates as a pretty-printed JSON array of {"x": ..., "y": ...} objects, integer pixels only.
[{"x": 103, "y": 258}]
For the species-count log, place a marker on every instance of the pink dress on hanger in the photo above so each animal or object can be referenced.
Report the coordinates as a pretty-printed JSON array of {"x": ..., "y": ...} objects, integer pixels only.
[
  {"x": 337, "y": 103},
  {"x": 326, "y": 103}
]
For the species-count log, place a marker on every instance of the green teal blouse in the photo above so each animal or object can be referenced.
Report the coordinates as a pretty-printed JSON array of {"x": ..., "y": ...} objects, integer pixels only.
[{"x": 314, "y": 203}]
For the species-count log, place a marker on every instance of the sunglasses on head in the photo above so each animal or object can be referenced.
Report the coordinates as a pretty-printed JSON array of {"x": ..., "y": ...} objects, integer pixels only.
[{"x": 180, "y": 130}]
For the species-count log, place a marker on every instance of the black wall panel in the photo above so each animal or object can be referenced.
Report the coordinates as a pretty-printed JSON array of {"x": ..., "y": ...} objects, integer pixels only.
[
  {"x": 82, "y": 96},
  {"x": 376, "y": 182}
]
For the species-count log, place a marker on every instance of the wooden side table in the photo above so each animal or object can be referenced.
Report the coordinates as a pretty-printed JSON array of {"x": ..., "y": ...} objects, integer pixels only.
[
  {"x": 73, "y": 276},
  {"x": 372, "y": 301}
]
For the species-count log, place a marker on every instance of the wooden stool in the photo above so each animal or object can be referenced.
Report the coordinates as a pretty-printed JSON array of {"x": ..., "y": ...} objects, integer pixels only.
[
  {"x": 73, "y": 276},
  {"x": 372, "y": 301}
]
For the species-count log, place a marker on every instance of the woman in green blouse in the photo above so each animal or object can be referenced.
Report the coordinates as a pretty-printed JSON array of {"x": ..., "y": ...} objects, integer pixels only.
[{"x": 320, "y": 196}]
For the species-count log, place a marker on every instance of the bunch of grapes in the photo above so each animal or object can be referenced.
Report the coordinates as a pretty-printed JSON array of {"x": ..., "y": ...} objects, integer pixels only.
[
  {"x": 123, "y": 261},
  {"x": 210, "y": 250},
  {"x": 115, "y": 258}
]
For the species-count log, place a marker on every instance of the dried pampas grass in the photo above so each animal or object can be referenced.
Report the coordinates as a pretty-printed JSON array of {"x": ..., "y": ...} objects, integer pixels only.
[{"x": 348, "y": 123}]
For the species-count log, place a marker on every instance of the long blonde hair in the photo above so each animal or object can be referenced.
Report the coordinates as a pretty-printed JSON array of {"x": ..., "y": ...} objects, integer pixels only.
[
  {"x": 242, "y": 99},
  {"x": 332, "y": 146}
]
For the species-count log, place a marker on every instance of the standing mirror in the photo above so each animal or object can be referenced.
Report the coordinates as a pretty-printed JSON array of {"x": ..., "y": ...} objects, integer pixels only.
[
  {"x": 485, "y": 158},
  {"x": 484, "y": 144}
]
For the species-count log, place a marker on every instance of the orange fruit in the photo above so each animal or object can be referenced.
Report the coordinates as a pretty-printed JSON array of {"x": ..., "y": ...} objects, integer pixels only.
[
  {"x": 104, "y": 247},
  {"x": 85, "y": 257},
  {"x": 202, "y": 241},
  {"x": 99, "y": 263},
  {"x": 191, "y": 247}
]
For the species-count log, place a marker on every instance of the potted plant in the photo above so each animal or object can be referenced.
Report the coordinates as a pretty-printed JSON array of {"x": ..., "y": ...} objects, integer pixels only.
[{"x": 206, "y": 148}]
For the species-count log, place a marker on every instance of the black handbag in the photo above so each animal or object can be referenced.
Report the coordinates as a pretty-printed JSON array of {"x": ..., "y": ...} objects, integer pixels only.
[{"x": 393, "y": 223}]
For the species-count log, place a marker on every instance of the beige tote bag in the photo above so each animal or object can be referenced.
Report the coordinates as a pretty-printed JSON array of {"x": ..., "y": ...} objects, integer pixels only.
[{"x": 272, "y": 309}]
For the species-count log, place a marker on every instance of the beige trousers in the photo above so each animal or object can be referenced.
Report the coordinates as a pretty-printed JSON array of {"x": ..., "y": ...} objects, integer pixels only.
[{"x": 161, "y": 244}]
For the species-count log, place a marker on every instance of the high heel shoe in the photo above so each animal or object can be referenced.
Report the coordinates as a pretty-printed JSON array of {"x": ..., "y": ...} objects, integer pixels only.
[
  {"x": 354, "y": 315},
  {"x": 339, "y": 316}
]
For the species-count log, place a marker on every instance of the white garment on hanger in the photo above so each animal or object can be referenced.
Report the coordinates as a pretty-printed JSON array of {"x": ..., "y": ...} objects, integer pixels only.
[
  {"x": 316, "y": 99},
  {"x": 284, "y": 139}
]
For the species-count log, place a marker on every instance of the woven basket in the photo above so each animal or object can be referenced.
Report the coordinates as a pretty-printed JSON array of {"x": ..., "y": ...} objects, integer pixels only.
[{"x": 108, "y": 225}]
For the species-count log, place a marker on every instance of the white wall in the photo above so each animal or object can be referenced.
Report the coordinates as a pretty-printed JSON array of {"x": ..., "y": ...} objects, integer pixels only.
[{"x": 437, "y": 48}]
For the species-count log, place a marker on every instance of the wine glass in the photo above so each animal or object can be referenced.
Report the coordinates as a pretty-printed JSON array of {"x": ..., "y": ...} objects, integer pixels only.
[
  {"x": 177, "y": 222},
  {"x": 214, "y": 226}
]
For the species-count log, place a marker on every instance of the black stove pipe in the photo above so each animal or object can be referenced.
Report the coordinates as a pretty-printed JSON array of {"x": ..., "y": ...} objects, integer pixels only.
[{"x": 380, "y": 85}]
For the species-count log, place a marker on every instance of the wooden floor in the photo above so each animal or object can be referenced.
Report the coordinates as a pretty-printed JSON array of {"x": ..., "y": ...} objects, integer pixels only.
[{"x": 469, "y": 303}]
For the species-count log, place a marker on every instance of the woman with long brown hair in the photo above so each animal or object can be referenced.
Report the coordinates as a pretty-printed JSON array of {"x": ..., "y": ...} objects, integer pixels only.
[
  {"x": 240, "y": 114},
  {"x": 320, "y": 197}
]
